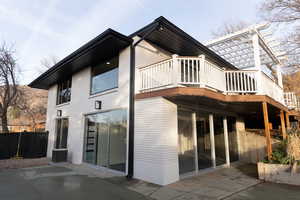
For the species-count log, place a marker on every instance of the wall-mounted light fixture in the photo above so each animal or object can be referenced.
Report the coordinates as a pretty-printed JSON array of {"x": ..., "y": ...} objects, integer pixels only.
[
  {"x": 59, "y": 113},
  {"x": 98, "y": 105}
]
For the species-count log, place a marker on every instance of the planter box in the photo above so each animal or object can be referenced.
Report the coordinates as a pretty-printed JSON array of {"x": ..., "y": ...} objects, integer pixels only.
[
  {"x": 277, "y": 173},
  {"x": 59, "y": 155}
]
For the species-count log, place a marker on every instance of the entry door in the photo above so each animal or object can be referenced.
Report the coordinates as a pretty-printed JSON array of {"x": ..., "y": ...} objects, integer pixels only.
[
  {"x": 103, "y": 142},
  {"x": 105, "y": 139}
]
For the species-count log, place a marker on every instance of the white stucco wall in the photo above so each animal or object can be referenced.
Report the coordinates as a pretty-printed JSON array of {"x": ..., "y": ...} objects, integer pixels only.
[
  {"x": 82, "y": 103},
  {"x": 156, "y": 141},
  {"x": 147, "y": 54}
]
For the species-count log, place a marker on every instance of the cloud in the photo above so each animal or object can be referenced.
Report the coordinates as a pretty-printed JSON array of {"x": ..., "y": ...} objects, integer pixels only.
[{"x": 57, "y": 31}]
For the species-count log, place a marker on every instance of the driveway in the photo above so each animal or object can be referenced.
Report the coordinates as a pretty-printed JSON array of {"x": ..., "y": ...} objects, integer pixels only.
[
  {"x": 80, "y": 182},
  {"x": 268, "y": 191},
  {"x": 55, "y": 182}
]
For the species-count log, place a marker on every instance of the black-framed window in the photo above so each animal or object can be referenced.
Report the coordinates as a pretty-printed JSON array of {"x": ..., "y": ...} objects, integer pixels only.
[
  {"x": 61, "y": 140},
  {"x": 105, "y": 76},
  {"x": 64, "y": 91}
]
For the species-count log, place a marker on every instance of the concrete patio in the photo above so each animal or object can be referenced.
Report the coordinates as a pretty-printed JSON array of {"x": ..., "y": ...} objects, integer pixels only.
[
  {"x": 216, "y": 184},
  {"x": 67, "y": 181}
]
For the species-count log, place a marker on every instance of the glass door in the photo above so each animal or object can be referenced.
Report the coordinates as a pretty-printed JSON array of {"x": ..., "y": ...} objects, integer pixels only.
[
  {"x": 186, "y": 153},
  {"x": 203, "y": 142},
  {"x": 105, "y": 139}
]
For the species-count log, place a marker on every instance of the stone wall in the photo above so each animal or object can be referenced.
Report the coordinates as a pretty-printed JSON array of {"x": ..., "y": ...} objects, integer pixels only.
[{"x": 252, "y": 146}]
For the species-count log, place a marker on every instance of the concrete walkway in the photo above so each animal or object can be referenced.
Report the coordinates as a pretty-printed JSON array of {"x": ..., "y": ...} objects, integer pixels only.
[{"x": 217, "y": 184}]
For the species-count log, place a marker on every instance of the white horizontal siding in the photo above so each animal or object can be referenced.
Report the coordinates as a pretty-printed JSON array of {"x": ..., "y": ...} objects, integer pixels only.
[{"x": 156, "y": 141}]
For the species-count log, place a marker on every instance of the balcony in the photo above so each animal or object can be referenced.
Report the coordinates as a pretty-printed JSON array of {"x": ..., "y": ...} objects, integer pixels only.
[
  {"x": 292, "y": 101},
  {"x": 200, "y": 72}
]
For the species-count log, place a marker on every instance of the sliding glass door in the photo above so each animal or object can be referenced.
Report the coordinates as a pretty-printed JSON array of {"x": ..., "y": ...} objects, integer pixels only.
[
  {"x": 105, "y": 139},
  {"x": 205, "y": 140}
]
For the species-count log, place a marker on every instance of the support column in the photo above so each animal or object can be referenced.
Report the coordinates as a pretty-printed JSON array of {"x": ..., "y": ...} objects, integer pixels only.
[
  {"x": 267, "y": 129},
  {"x": 226, "y": 141},
  {"x": 212, "y": 140},
  {"x": 194, "y": 125},
  {"x": 176, "y": 70},
  {"x": 283, "y": 130},
  {"x": 288, "y": 124},
  {"x": 279, "y": 75},
  {"x": 203, "y": 76},
  {"x": 257, "y": 62}
]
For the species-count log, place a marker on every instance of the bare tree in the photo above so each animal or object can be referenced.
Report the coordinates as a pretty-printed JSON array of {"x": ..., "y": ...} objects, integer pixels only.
[
  {"x": 32, "y": 104},
  {"x": 47, "y": 63},
  {"x": 8, "y": 83},
  {"x": 282, "y": 11},
  {"x": 286, "y": 12},
  {"x": 228, "y": 28}
]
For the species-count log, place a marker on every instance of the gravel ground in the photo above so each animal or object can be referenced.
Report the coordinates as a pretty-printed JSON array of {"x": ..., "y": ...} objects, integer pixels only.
[{"x": 23, "y": 163}]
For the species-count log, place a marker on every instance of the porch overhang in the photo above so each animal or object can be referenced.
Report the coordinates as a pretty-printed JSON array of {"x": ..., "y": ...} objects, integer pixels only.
[
  {"x": 106, "y": 45},
  {"x": 171, "y": 38},
  {"x": 240, "y": 104}
]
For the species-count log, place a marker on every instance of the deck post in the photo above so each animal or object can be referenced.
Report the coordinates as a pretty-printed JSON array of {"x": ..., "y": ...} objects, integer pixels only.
[
  {"x": 267, "y": 129},
  {"x": 194, "y": 125},
  {"x": 279, "y": 75},
  {"x": 226, "y": 141},
  {"x": 202, "y": 75},
  {"x": 212, "y": 140},
  {"x": 283, "y": 129},
  {"x": 176, "y": 70},
  {"x": 257, "y": 62},
  {"x": 288, "y": 124}
]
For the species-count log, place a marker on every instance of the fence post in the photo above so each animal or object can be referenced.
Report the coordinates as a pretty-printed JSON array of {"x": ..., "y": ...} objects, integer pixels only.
[{"x": 18, "y": 147}]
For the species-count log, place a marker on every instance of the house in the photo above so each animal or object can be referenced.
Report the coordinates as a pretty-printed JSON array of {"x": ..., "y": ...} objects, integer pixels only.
[{"x": 157, "y": 105}]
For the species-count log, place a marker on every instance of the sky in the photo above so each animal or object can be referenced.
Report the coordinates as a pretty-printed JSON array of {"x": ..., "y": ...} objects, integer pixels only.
[{"x": 55, "y": 28}]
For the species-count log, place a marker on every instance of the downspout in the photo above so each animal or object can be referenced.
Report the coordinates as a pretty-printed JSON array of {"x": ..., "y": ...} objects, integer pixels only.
[{"x": 131, "y": 103}]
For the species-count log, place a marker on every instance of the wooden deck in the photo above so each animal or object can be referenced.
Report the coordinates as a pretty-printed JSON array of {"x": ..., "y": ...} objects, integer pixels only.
[{"x": 207, "y": 93}]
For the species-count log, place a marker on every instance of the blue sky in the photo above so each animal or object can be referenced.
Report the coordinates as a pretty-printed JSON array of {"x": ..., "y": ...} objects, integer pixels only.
[{"x": 41, "y": 29}]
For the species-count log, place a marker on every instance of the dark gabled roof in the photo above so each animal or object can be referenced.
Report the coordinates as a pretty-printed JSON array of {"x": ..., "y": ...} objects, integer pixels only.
[
  {"x": 104, "y": 46},
  {"x": 171, "y": 38},
  {"x": 108, "y": 44}
]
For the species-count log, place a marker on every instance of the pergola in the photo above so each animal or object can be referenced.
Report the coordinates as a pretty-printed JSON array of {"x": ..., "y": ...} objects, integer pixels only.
[
  {"x": 254, "y": 48},
  {"x": 251, "y": 48}
]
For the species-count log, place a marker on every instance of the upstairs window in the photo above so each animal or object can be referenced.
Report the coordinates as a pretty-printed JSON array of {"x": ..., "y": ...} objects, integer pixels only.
[
  {"x": 105, "y": 76},
  {"x": 64, "y": 92}
]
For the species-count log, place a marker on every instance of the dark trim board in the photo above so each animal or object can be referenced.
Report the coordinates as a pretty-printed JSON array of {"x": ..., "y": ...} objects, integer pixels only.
[
  {"x": 106, "y": 45},
  {"x": 173, "y": 39}
]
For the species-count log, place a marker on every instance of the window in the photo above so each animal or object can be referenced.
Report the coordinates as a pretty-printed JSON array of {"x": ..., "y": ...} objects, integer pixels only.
[
  {"x": 105, "y": 76},
  {"x": 61, "y": 133},
  {"x": 64, "y": 92}
]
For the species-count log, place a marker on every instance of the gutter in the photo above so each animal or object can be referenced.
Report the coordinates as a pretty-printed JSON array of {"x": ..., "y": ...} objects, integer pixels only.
[{"x": 131, "y": 101}]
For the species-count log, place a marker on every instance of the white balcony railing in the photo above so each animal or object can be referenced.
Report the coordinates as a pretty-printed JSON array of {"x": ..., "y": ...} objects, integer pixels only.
[
  {"x": 292, "y": 101},
  {"x": 185, "y": 71},
  {"x": 241, "y": 81},
  {"x": 199, "y": 72}
]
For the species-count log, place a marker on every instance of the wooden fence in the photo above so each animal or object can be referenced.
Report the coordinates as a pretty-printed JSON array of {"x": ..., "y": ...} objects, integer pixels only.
[{"x": 23, "y": 144}]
